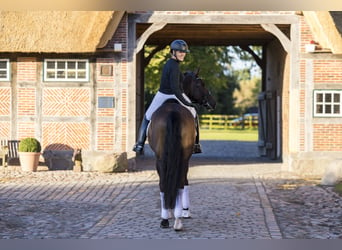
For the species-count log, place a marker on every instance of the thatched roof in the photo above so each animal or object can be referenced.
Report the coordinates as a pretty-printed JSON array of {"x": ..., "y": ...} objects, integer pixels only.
[
  {"x": 85, "y": 31},
  {"x": 326, "y": 27},
  {"x": 56, "y": 31}
]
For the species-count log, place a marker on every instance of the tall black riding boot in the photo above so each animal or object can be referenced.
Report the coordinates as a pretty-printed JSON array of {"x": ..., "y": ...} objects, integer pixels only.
[
  {"x": 139, "y": 146},
  {"x": 197, "y": 146}
]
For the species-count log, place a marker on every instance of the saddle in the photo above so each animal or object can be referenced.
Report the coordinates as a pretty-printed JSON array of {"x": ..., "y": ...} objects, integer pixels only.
[{"x": 171, "y": 100}]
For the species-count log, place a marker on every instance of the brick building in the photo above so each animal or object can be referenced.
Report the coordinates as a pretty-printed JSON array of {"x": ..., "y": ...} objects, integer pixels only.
[{"x": 75, "y": 79}]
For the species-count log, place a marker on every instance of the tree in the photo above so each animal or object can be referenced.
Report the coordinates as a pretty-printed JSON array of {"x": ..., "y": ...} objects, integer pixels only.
[
  {"x": 224, "y": 97},
  {"x": 153, "y": 71},
  {"x": 246, "y": 96}
]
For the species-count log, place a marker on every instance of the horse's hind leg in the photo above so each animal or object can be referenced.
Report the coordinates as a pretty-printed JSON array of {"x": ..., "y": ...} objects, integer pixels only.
[
  {"x": 178, "y": 226},
  {"x": 164, "y": 213}
]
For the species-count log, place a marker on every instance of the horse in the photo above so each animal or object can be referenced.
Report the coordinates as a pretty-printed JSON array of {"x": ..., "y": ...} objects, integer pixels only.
[{"x": 171, "y": 136}]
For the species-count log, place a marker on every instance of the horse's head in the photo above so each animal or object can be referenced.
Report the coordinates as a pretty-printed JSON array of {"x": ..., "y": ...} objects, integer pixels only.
[{"x": 195, "y": 89}]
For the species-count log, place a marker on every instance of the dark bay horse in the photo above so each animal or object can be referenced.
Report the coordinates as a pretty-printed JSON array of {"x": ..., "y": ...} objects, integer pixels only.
[{"x": 171, "y": 135}]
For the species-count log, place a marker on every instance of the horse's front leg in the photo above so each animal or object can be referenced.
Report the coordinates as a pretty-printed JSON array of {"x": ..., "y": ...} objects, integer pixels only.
[
  {"x": 182, "y": 200},
  {"x": 186, "y": 203}
]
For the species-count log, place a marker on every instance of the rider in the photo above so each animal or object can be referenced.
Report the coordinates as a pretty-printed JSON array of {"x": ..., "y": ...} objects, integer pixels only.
[{"x": 170, "y": 87}]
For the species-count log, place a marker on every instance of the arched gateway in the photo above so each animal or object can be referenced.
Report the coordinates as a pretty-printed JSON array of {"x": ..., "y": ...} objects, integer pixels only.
[{"x": 274, "y": 32}]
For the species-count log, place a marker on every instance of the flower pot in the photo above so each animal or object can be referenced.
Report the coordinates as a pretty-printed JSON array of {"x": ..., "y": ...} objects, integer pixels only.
[{"x": 29, "y": 161}]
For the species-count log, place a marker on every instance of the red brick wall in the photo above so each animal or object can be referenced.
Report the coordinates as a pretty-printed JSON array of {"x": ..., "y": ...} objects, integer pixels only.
[
  {"x": 5, "y": 111},
  {"x": 5, "y": 130},
  {"x": 327, "y": 137},
  {"x": 26, "y": 110},
  {"x": 5, "y": 101},
  {"x": 104, "y": 62},
  {"x": 26, "y": 129},
  {"x": 105, "y": 92},
  {"x": 66, "y": 102},
  {"x": 302, "y": 105},
  {"x": 124, "y": 124},
  {"x": 328, "y": 71},
  {"x": 302, "y": 125},
  {"x": 66, "y": 135},
  {"x": 120, "y": 35},
  {"x": 26, "y": 102},
  {"x": 105, "y": 135},
  {"x": 305, "y": 35},
  {"x": 105, "y": 130},
  {"x": 27, "y": 69}
]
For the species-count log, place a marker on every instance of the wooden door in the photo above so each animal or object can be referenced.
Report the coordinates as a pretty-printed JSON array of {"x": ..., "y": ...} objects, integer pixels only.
[{"x": 267, "y": 143}]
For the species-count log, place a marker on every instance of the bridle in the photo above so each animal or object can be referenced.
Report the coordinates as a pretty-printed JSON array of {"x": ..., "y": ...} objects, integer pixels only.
[{"x": 205, "y": 98}]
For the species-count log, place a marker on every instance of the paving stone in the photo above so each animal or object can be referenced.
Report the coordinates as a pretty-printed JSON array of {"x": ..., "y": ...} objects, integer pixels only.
[{"x": 229, "y": 200}]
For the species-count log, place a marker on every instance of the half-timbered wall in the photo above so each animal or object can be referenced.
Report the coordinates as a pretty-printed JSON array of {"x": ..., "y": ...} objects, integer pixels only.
[{"x": 68, "y": 115}]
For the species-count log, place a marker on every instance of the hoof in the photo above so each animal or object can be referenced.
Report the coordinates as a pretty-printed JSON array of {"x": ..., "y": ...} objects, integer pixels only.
[
  {"x": 164, "y": 223},
  {"x": 178, "y": 226},
  {"x": 186, "y": 213}
]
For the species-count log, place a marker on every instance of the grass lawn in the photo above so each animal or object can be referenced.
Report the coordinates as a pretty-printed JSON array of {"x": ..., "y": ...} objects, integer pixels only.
[
  {"x": 231, "y": 134},
  {"x": 338, "y": 188}
]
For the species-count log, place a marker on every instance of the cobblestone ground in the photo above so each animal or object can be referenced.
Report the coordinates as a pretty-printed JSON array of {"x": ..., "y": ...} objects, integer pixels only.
[
  {"x": 230, "y": 199},
  {"x": 65, "y": 204},
  {"x": 304, "y": 209}
]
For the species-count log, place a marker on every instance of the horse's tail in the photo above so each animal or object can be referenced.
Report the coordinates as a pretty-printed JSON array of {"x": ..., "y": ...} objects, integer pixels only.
[{"x": 172, "y": 159}]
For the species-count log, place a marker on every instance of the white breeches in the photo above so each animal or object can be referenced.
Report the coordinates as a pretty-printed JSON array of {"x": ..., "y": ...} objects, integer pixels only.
[{"x": 160, "y": 98}]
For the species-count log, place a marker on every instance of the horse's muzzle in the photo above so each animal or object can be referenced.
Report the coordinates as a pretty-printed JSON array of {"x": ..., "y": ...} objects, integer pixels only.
[
  {"x": 210, "y": 103},
  {"x": 208, "y": 106}
]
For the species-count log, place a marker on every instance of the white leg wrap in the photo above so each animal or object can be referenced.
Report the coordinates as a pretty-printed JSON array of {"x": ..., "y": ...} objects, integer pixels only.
[
  {"x": 164, "y": 211},
  {"x": 179, "y": 207},
  {"x": 185, "y": 197}
]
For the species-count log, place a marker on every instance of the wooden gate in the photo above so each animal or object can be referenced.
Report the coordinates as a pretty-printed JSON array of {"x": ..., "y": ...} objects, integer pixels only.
[{"x": 267, "y": 142}]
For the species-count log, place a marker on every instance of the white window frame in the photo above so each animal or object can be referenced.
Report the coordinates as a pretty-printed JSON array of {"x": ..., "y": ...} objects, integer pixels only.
[
  {"x": 326, "y": 103},
  {"x": 8, "y": 72},
  {"x": 66, "y": 70}
]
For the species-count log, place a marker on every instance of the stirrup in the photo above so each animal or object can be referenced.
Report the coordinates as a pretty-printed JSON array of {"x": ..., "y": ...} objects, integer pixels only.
[
  {"x": 197, "y": 149},
  {"x": 138, "y": 148}
]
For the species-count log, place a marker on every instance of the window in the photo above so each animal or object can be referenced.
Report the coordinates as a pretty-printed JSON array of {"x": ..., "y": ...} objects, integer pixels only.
[
  {"x": 328, "y": 103},
  {"x": 66, "y": 70},
  {"x": 4, "y": 70}
]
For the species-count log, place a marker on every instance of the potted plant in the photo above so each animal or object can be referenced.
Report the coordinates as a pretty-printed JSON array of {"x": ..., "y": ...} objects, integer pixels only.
[{"x": 29, "y": 153}]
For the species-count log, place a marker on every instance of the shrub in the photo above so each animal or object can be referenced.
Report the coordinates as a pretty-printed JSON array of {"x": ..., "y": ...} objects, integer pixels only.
[{"x": 29, "y": 145}]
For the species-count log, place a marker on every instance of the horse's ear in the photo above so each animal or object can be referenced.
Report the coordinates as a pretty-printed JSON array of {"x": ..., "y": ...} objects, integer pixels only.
[{"x": 197, "y": 72}]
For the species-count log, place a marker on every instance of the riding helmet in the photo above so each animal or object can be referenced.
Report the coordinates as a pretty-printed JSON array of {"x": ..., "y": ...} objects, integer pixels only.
[{"x": 180, "y": 45}]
